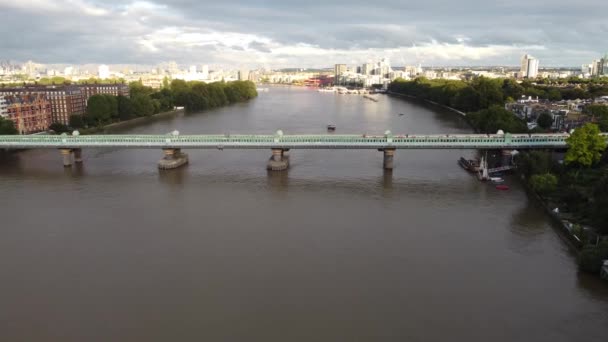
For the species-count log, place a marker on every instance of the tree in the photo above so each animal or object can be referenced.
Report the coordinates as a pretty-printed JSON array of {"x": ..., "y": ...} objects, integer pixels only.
[
  {"x": 142, "y": 105},
  {"x": 7, "y": 127},
  {"x": 585, "y": 146},
  {"x": 543, "y": 184},
  {"x": 496, "y": 118},
  {"x": 76, "y": 121},
  {"x": 59, "y": 128},
  {"x": 545, "y": 120},
  {"x": 99, "y": 110},
  {"x": 591, "y": 257},
  {"x": 597, "y": 111},
  {"x": 125, "y": 108}
]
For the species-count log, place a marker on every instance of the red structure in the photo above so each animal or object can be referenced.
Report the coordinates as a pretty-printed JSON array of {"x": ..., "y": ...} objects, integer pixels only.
[{"x": 319, "y": 81}]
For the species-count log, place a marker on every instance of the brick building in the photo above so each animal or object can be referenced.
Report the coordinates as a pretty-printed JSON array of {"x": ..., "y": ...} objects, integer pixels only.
[
  {"x": 65, "y": 100},
  {"x": 110, "y": 89},
  {"x": 68, "y": 100},
  {"x": 30, "y": 113}
]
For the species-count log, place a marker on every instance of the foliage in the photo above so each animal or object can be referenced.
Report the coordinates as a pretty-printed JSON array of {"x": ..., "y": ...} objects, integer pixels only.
[
  {"x": 142, "y": 105},
  {"x": 7, "y": 127},
  {"x": 59, "y": 128},
  {"x": 533, "y": 163},
  {"x": 101, "y": 109},
  {"x": 591, "y": 257},
  {"x": 125, "y": 108},
  {"x": 145, "y": 101},
  {"x": 585, "y": 146},
  {"x": 545, "y": 120},
  {"x": 76, "y": 121},
  {"x": 544, "y": 183},
  {"x": 496, "y": 118}
]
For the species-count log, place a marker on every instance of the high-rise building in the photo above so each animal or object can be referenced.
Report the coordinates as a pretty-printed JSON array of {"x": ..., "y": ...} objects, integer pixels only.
[
  {"x": 367, "y": 68},
  {"x": 243, "y": 75},
  {"x": 205, "y": 72},
  {"x": 603, "y": 70},
  {"x": 103, "y": 72},
  {"x": 192, "y": 70},
  {"x": 339, "y": 69},
  {"x": 68, "y": 71},
  {"x": 529, "y": 67}
]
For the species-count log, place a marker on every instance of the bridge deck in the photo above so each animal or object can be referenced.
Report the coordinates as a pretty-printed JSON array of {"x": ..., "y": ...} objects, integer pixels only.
[{"x": 330, "y": 141}]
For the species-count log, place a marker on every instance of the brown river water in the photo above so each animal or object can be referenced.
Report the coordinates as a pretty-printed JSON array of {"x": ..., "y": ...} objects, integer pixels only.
[{"x": 335, "y": 249}]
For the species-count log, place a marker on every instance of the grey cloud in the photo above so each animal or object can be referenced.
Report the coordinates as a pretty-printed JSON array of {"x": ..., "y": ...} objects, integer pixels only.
[
  {"x": 258, "y": 46},
  {"x": 563, "y": 28}
]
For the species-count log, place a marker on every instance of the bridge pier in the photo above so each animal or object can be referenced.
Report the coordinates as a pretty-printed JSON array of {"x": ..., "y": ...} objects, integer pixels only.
[
  {"x": 388, "y": 159},
  {"x": 172, "y": 159},
  {"x": 279, "y": 161},
  {"x": 77, "y": 155},
  {"x": 66, "y": 153}
]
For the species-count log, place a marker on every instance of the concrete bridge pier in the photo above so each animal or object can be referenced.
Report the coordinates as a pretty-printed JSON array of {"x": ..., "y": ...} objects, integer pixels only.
[
  {"x": 77, "y": 155},
  {"x": 66, "y": 153},
  {"x": 388, "y": 160},
  {"x": 279, "y": 161},
  {"x": 173, "y": 158}
]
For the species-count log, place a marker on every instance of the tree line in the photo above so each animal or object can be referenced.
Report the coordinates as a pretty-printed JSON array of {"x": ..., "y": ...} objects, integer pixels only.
[
  {"x": 484, "y": 98},
  {"x": 578, "y": 187},
  {"x": 145, "y": 101}
]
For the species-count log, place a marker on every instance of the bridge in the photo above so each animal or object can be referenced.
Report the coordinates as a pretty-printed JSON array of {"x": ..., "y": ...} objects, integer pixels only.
[{"x": 280, "y": 143}]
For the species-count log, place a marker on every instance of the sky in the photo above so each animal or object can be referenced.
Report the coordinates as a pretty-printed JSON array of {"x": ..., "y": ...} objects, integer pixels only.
[{"x": 306, "y": 34}]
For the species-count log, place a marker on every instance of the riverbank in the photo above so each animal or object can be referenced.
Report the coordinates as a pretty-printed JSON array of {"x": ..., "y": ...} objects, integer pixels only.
[
  {"x": 569, "y": 229},
  {"x": 130, "y": 122},
  {"x": 427, "y": 101}
]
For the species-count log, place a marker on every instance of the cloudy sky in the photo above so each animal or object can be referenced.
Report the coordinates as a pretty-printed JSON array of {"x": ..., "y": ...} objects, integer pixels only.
[{"x": 303, "y": 33}]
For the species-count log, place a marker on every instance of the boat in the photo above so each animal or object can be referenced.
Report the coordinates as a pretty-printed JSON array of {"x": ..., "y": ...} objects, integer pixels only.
[
  {"x": 331, "y": 128},
  {"x": 502, "y": 187},
  {"x": 470, "y": 165},
  {"x": 496, "y": 180},
  {"x": 401, "y": 114}
]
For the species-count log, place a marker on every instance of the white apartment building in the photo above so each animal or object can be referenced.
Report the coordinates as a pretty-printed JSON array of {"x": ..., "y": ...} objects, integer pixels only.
[{"x": 529, "y": 67}]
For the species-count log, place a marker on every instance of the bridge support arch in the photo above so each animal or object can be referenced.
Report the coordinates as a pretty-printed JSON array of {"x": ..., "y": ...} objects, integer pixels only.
[
  {"x": 173, "y": 158},
  {"x": 388, "y": 159},
  {"x": 279, "y": 161}
]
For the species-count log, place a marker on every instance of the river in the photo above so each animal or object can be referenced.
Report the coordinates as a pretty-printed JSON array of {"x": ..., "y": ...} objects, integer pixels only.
[{"x": 335, "y": 249}]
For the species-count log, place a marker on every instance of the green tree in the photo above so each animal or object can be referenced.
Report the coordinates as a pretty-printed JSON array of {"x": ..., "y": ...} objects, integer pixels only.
[
  {"x": 7, "y": 127},
  {"x": 533, "y": 163},
  {"x": 76, "y": 121},
  {"x": 99, "y": 110},
  {"x": 59, "y": 128},
  {"x": 591, "y": 257},
  {"x": 554, "y": 94},
  {"x": 125, "y": 108},
  {"x": 545, "y": 120},
  {"x": 496, "y": 118},
  {"x": 142, "y": 105},
  {"x": 543, "y": 184},
  {"x": 585, "y": 146}
]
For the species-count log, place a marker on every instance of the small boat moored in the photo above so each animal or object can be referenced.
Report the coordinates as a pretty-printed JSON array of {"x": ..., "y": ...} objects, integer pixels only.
[
  {"x": 470, "y": 165},
  {"x": 502, "y": 187},
  {"x": 331, "y": 128}
]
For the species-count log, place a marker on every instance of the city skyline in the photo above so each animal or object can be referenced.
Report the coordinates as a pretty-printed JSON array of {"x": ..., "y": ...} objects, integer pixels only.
[{"x": 275, "y": 34}]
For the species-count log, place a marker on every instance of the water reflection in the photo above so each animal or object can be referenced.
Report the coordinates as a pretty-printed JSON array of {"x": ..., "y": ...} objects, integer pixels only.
[
  {"x": 278, "y": 181},
  {"x": 173, "y": 178}
]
